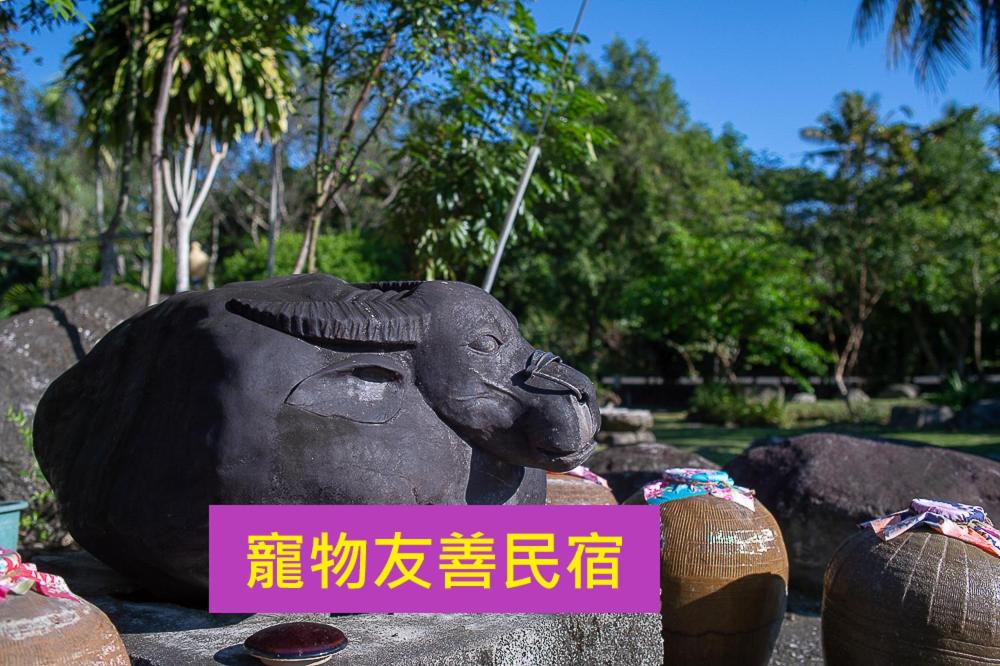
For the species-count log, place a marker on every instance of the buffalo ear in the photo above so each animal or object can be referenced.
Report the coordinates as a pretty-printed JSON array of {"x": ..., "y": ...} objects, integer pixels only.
[{"x": 366, "y": 388}]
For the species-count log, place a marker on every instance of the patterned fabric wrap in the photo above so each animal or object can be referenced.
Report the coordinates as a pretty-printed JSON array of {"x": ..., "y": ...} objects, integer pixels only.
[
  {"x": 683, "y": 482},
  {"x": 583, "y": 473},
  {"x": 964, "y": 522},
  {"x": 17, "y": 577}
]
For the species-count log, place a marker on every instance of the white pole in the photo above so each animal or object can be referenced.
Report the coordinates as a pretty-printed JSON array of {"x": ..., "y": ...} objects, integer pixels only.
[
  {"x": 533, "y": 154},
  {"x": 508, "y": 222}
]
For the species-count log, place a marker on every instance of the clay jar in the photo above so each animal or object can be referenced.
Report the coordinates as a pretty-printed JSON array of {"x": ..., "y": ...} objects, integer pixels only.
[
  {"x": 44, "y": 631},
  {"x": 921, "y": 598},
  {"x": 723, "y": 581},
  {"x": 569, "y": 489}
]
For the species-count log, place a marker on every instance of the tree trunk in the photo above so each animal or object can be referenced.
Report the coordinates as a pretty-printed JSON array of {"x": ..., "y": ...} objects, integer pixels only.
[
  {"x": 183, "y": 259},
  {"x": 109, "y": 262},
  {"x": 156, "y": 150},
  {"x": 98, "y": 187},
  {"x": 977, "y": 324},
  {"x": 186, "y": 197},
  {"x": 274, "y": 206},
  {"x": 921, "y": 334},
  {"x": 314, "y": 241},
  {"x": 213, "y": 253},
  {"x": 300, "y": 260},
  {"x": 847, "y": 357}
]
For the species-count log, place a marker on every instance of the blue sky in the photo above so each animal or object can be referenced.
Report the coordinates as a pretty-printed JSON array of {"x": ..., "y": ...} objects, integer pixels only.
[{"x": 768, "y": 68}]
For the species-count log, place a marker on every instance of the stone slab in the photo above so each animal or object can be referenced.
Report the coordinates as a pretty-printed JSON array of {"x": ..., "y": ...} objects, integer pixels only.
[
  {"x": 377, "y": 640},
  {"x": 161, "y": 634}
]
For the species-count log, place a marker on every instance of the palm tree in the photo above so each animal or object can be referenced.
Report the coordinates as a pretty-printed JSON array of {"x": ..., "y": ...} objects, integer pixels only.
[
  {"x": 861, "y": 145},
  {"x": 935, "y": 35}
]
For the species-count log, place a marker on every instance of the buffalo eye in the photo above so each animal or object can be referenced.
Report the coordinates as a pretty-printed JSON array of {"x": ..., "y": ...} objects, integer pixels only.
[{"x": 485, "y": 344}]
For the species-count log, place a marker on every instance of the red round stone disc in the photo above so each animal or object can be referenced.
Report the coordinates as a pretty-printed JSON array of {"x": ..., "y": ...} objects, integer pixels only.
[{"x": 296, "y": 640}]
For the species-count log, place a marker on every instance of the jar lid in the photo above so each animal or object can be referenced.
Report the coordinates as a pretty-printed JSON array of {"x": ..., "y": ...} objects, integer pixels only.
[{"x": 296, "y": 641}]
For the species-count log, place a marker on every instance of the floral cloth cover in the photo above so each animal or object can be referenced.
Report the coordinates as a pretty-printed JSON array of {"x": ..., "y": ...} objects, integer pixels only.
[
  {"x": 17, "y": 577},
  {"x": 964, "y": 522},
  {"x": 583, "y": 473},
  {"x": 682, "y": 482}
]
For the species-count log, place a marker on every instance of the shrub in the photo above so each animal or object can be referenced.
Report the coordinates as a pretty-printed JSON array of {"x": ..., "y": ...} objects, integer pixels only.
[
  {"x": 353, "y": 256},
  {"x": 958, "y": 393},
  {"x": 727, "y": 404},
  {"x": 836, "y": 411},
  {"x": 41, "y": 523}
]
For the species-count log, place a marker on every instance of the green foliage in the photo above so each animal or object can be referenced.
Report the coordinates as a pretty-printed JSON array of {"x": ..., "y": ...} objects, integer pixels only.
[
  {"x": 38, "y": 519},
  {"x": 934, "y": 36},
  {"x": 21, "y": 296},
  {"x": 470, "y": 140},
  {"x": 827, "y": 412},
  {"x": 728, "y": 291},
  {"x": 728, "y": 404},
  {"x": 234, "y": 70},
  {"x": 663, "y": 260},
  {"x": 958, "y": 393},
  {"x": 351, "y": 256}
]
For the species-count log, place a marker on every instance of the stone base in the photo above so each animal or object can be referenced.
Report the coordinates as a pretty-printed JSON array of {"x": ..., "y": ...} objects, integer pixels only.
[{"x": 159, "y": 634}]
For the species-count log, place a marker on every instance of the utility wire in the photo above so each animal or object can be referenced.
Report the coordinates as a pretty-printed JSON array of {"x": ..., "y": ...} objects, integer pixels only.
[{"x": 533, "y": 153}]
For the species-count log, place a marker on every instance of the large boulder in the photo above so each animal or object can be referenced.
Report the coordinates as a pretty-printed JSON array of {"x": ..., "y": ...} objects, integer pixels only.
[
  {"x": 980, "y": 415},
  {"x": 37, "y": 346},
  {"x": 820, "y": 486},
  {"x": 629, "y": 468}
]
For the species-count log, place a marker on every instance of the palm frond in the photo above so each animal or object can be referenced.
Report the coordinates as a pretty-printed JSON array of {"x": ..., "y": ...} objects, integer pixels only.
[
  {"x": 989, "y": 34},
  {"x": 941, "y": 40},
  {"x": 869, "y": 19}
]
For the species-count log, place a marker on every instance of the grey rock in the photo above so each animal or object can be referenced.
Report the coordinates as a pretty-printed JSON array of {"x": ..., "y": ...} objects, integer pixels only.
[
  {"x": 820, "y": 486},
  {"x": 857, "y": 395},
  {"x": 620, "y": 419},
  {"x": 980, "y": 415},
  {"x": 301, "y": 390},
  {"x": 36, "y": 347},
  {"x": 804, "y": 398},
  {"x": 629, "y": 468},
  {"x": 765, "y": 393},
  {"x": 905, "y": 416},
  {"x": 612, "y": 438},
  {"x": 902, "y": 390}
]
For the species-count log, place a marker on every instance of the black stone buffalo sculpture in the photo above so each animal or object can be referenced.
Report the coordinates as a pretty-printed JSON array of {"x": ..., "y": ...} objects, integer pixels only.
[{"x": 301, "y": 389}]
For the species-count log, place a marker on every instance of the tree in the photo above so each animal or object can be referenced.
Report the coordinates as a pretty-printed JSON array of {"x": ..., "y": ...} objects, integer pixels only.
[
  {"x": 469, "y": 142},
  {"x": 859, "y": 240},
  {"x": 661, "y": 258},
  {"x": 934, "y": 35},
  {"x": 953, "y": 206},
  {"x": 44, "y": 197},
  {"x": 34, "y": 13},
  {"x": 385, "y": 65},
  {"x": 223, "y": 70}
]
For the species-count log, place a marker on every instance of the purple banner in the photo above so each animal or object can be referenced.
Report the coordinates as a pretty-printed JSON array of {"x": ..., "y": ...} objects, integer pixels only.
[{"x": 434, "y": 559}]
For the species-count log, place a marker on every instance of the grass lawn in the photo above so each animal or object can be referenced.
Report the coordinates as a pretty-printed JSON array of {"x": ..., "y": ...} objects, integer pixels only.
[{"x": 720, "y": 444}]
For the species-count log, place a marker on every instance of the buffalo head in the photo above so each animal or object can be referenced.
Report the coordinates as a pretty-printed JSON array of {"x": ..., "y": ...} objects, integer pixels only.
[{"x": 460, "y": 348}]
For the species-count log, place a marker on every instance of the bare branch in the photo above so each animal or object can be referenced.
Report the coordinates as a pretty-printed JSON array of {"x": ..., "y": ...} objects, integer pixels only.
[{"x": 218, "y": 154}]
